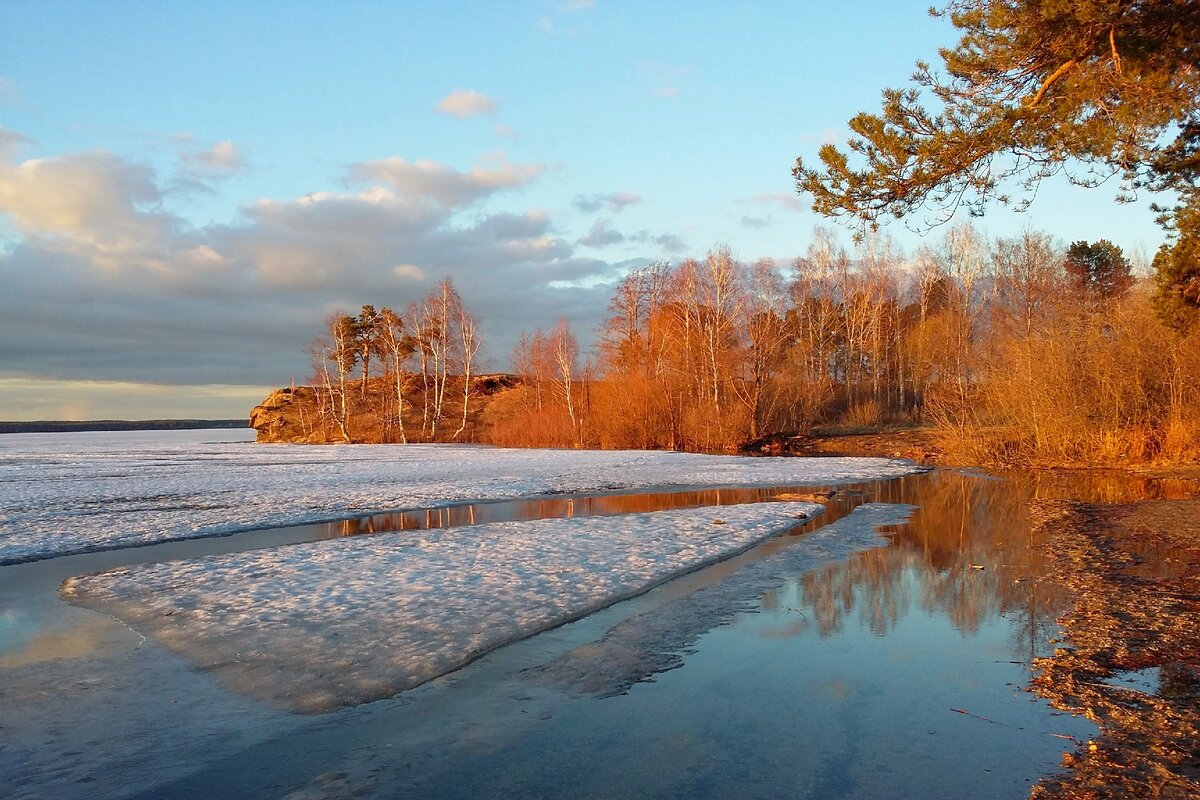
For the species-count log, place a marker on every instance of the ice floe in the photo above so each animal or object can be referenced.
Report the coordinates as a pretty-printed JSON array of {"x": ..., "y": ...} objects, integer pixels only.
[
  {"x": 80, "y": 492},
  {"x": 334, "y": 623}
]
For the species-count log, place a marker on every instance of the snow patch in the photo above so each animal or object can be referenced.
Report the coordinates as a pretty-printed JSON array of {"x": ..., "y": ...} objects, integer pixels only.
[
  {"x": 81, "y": 492},
  {"x": 335, "y": 623}
]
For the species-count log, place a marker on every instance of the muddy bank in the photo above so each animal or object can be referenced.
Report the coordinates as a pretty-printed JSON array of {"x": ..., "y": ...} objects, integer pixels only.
[
  {"x": 916, "y": 444},
  {"x": 1131, "y": 656}
]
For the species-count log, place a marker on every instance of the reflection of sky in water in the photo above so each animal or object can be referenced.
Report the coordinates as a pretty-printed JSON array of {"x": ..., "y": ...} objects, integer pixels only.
[
  {"x": 898, "y": 672},
  {"x": 776, "y": 705},
  {"x": 1146, "y": 681},
  {"x": 16, "y": 629}
]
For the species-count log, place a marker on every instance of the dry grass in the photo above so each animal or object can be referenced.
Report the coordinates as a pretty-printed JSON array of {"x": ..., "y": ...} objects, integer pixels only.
[{"x": 1111, "y": 389}]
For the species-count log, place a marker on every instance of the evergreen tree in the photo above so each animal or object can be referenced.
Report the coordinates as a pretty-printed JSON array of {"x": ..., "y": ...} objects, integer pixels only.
[
  {"x": 1099, "y": 270},
  {"x": 1177, "y": 280},
  {"x": 1031, "y": 87}
]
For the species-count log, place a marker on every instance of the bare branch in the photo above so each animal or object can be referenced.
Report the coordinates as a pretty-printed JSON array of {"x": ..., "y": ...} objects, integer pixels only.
[{"x": 1053, "y": 79}]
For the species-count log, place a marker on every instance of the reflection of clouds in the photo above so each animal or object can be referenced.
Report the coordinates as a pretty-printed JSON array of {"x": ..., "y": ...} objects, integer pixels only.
[
  {"x": 836, "y": 688},
  {"x": 660, "y": 639},
  {"x": 75, "y": 642},
  {"x": 782, "y": 632}
]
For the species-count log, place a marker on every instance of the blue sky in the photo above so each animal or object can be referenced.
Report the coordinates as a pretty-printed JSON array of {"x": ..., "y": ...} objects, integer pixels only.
[{"x": 187, "y": 189}]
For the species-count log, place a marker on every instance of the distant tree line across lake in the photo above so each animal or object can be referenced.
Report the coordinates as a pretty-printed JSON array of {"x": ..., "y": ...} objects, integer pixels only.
[
  {"x": 1017, "y": 350},
  {"x": 64, "y": 426}
]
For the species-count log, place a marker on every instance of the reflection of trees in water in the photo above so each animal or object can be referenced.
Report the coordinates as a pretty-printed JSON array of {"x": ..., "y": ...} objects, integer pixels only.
[
  {"x": 568, "y": 506},
  {"x": 962, "y": 522},
  {"x": 1101, "y": 486}
]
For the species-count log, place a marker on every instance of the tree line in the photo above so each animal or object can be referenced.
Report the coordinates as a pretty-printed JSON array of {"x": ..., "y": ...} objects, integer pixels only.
[
  {"x": 1085, "y": 91},
  {"x": 1016, "y": 349}
]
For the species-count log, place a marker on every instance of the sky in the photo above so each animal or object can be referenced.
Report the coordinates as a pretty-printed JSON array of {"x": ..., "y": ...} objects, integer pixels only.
[{"x": 188, "y": 189}]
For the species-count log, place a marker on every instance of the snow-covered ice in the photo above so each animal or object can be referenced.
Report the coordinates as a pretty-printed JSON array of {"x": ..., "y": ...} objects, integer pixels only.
[
  {"x": 80, "y": 492},
  {"x": 327, "y": 624}
]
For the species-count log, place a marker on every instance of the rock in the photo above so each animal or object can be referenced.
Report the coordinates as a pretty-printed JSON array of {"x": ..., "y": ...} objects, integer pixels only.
[{"x": 284, "y": 416}]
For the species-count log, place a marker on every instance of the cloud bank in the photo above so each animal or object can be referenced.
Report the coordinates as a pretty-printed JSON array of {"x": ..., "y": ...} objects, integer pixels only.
[{"x": 104, "y": 282}]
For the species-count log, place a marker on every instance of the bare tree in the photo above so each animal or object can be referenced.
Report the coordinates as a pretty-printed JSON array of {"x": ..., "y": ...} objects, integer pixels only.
[
  {"x": 1028, "y": 272},
  {"x": 769, "y": 336},
  {"x": 468, "y": 349},
  {"x": 440, "y": 311},
  {"x": 565, "y": 352},
  {"x": 398, "y": 346},
  {"x": 336, "y": 347}
]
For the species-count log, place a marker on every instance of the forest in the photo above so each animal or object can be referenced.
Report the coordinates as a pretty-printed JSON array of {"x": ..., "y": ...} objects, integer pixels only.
[{"x": 1014, "y": 351}]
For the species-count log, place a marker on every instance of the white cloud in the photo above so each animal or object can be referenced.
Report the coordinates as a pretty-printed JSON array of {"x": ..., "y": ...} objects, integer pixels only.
[
  {"x": 782, "y": 199},
  {"x": 602, "y": 234},
  {"x": 408, "y": 272},
  {"x": 615, "y": 202},
  {"x": 10, "y": 143},
  {"x": 466, "y": 103},
  {"x": 222, "y": 157},
  {"x": 204, "y": 257},
  {"x": 667, "y": 242},
  {"x": 665, "y": 79},
  {"x": 442, "y": 184},
  {"x": 94, "y": 202},
  {"x": 151, "y": 299},
  {"x": 10, "y": 95},
  {"x": 825, "y": 136}
]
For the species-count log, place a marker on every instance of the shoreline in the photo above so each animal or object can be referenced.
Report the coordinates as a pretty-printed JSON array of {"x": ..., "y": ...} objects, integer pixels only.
[
  {"x": 1130, "y": 659},
  {"x": 1130, "y": 655}
]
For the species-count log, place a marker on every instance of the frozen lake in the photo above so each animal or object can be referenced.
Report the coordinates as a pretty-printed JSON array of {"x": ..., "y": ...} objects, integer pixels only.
[
  {"x": 82, "y": 492},
  {"x": 861, "y": 653}
]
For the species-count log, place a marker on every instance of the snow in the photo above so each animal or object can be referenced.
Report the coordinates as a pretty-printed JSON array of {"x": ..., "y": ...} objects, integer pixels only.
[
  {"x": 81, "y": 492},
  {"x": 327, "y": 624}
]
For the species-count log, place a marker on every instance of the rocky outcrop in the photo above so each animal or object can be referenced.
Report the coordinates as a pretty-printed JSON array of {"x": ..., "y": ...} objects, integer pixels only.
[
  {"x": 296, "y": 414},
  {"x": 286, "y": 416}
]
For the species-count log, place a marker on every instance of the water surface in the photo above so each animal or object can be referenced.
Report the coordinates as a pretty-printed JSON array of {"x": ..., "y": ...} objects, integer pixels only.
[{"x": 897, "y": 672}]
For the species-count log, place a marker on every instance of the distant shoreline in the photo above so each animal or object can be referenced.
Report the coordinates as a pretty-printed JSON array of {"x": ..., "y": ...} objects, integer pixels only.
[{"x": 59, "y": 426}]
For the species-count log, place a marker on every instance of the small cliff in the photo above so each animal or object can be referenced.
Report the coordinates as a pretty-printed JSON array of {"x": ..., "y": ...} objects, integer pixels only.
[
  {"x": 302, "y": 414},
  {"x": 284, "y": 416}
]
